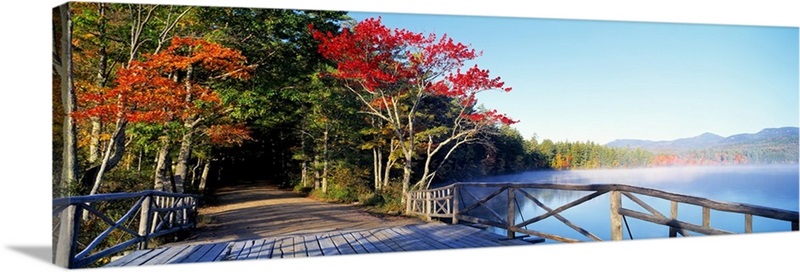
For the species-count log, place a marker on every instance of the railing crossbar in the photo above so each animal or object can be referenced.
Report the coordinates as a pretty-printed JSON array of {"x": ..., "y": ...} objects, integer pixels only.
[
  {"x": 672, "y": 222},
  {"x": 564, "y": 220},
  {"x": 545, "y": 235},
  {"x": 483, "y": 201},
  {"x": 80, "y": 262},
  {"x": 112, "y": 226},
  {"x": 560, "y": 209},
  {"x": 642, "y": 204}
]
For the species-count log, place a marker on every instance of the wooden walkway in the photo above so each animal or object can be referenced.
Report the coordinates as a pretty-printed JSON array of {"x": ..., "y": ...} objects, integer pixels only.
[{"x": 430, "y": 236}]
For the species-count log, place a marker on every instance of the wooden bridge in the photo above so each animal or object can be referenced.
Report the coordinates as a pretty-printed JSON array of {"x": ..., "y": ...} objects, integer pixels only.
[
  {"x": 485, "y": 204},
  {"x": 391, "y": 239}
]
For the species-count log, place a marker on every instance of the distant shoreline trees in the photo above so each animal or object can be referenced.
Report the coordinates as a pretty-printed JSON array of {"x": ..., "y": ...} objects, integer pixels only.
[{"x": 515, "y": 154}]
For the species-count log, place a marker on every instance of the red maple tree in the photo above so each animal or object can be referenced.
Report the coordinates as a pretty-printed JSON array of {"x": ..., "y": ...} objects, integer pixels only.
[{"x": 391, "y": 71}]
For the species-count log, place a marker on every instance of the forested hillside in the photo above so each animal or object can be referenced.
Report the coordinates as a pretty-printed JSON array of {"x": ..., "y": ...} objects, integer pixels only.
[{"x": 770, "y": 145}]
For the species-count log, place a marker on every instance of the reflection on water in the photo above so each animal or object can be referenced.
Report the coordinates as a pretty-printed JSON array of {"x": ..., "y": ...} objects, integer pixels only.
[{"x": 771, "y": 186}]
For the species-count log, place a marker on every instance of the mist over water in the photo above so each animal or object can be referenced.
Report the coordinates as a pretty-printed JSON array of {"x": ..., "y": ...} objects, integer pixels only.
[
  {"x": 766, "y": 185},
  {"x": 773, "y": 186}
]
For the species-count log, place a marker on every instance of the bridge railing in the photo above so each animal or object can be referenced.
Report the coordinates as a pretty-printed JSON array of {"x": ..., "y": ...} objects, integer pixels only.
[
  {"x": 446, "y": 202},
  {"x": 133, "y": 219}
]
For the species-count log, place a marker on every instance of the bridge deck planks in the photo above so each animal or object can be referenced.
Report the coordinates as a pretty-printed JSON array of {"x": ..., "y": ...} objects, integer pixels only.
[
  {"x": 369, "y": 238},
  {"x": 365, "y": 241}
]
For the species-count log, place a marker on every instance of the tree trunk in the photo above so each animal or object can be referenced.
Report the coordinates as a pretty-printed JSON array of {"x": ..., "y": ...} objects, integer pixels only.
[
  {"x": 94, "y": 139},
  {"x": 427, "y": 167},
  {"x": 406, "y": 176},
  {"x": 304, "y": 174},
  {"x": 316, "y": 172},
  {"x": 194, "y": 178},
  {"x": 304, "y": 164},
  {"x": 182, "y": 169},
  {"x": 386, "y": 171},
  {"x": 139, "y": 164},
  {"x": 428, "y": 175},
  {"x": 389, "y": 163},
  {"x": 204, "y": 176},
  {"x": 325, "y": 160},
  {"x": 409, "y": 153},
  {"x": 377, "y": 168},
  {"x": 162, "y": 180},
  {"x": 69, "y": 155},
  {"x": 185, "y": 152},
  {"x": 113, "y": 154},
  {"x": 100, "y": 83}
]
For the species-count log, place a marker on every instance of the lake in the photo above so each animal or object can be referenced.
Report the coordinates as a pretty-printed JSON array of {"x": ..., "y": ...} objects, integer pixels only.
[{"x": 773, "y": 186}]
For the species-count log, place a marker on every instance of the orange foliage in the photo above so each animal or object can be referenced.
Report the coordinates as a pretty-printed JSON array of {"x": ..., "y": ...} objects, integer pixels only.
[
  {"x": 228, "y": 135},
  {"x": 151, "y": 91}
]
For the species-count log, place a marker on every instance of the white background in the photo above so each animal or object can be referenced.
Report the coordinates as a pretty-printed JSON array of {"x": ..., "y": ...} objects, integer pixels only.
[{"x": 26, "y": 150}]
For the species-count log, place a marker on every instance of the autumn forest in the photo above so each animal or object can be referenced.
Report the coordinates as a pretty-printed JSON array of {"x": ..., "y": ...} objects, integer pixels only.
[{"x": 184, "y": 99}]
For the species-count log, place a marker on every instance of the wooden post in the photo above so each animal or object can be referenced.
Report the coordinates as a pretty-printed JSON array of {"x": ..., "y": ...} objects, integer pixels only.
[
  {"x": 616, "y": 218},
  {"x": 408, "y": 203},
  {"x": 145, "y": 216},
  {"x": 673, "y": 214},
  {"x": 748, "y": 223},
  {"x": 428, "y": 205},
  {"x": 190, "y": 211},
  {"x": 184, "y": 213},
  {"x": 154, "y": 216},
  {"x": 510, "y": 217},
  {"x": 68, "y": 236},
  {"x": 449, "y": 210},
  {"x": 455, "y": 205},
  {"x": 706, "y": 217}
]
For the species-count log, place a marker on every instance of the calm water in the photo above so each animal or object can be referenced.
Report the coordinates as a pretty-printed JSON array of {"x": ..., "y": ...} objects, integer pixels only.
[{"x": 771, "y": 186}]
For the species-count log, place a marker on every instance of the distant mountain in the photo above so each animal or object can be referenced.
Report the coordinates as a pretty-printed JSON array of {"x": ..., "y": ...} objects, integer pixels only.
[{"x": 768, "y": 136}]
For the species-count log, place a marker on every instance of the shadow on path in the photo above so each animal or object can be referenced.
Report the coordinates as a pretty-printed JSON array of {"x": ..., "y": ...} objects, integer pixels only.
[{"x": 252, "y": 210}]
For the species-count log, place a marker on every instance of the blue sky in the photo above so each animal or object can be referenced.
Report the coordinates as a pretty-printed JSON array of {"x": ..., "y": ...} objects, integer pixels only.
[{"x": 582, "y": 80}]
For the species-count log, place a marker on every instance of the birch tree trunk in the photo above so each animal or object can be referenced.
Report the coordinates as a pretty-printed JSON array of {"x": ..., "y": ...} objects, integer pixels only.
[
  {"x": 304, "y": 164},
  {"x": 139, "y": 163},
  {"x": 316, "y": 172},
  {"x": 406, "y": 176},
  {"x": 204, "y": 176},
  {"x": 162, "y": 179},
  {"x": 193, "y": 176},
  {"x": 63, "y": 67},
  {"x": 377, "y": 168},
  {"x": 112, "y": 156},
  {"x": 94, "y": 139},
  {"x": 390, "y": 160},
  {"x": 304, "y": 174},
  {"x": 100, "y": 82},
  {"x": 325, "y": 159},
  {"x": 182, "y": 168}
]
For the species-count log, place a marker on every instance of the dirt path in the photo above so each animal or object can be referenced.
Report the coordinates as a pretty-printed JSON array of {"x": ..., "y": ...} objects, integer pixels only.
[{"x": 254, "y": 210}]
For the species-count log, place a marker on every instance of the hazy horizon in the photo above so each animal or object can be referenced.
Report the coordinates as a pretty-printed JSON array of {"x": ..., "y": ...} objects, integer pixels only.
[{"x": 724, "y": 136}]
